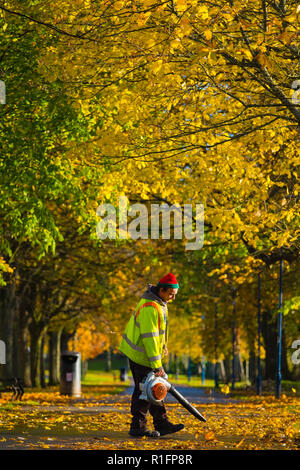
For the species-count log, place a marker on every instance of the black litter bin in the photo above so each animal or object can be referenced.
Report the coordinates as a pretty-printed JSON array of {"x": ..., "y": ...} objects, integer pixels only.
[
  {"x": 123, "y": 374},
  {"x": 70, "y": 374}
]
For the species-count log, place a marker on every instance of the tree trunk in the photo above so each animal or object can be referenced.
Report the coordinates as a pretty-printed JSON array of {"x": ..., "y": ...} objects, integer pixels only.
[
  {"x": 241, "y": 367},
  {"x": 286, "y": 373},
  {"x": 185, "y": 360},
  {"x": 252, "y": 367},
  {"x": 23, "y": 344},
  {"x": 42, "y": 363},
  {"x": 84, "y": 368},
  {"x": 54, "y": 357},
  {"x": 65, "y": 338},
  {"x": 167, "y": 366},
  {"x": 247, "y": 371},
  {"x": 236, "y": 365},
  {"x": 171, "y": 362},
  {"x": 227, "y": 366},
  {"x": 108, "y": 360},
  {"x": 17, "y": 367},
  {"x": 176, "y": 367},
  {"x": 36, "y": 335},
  {"x": 8, "y": 307},
  {"x": 222, "y": 371},
  {"x": 269, "y": 333}
]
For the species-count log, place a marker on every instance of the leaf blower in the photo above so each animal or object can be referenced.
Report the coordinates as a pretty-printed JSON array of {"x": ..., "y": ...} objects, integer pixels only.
[{"x": 155, "y": 389}]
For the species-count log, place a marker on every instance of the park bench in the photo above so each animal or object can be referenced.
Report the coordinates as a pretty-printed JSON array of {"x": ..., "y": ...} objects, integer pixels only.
[{"x": 14, "y": 385}]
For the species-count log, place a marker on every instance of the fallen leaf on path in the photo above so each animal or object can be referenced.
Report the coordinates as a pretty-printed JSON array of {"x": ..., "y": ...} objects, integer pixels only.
[
  {"x": 240, "y": 443},
  {"x": 210, "y": 436},
  {"x": 225, "y": 389}
]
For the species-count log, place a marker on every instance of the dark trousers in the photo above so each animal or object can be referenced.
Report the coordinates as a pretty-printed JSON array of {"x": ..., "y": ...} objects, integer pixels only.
[{"x": 139, "y": 408}]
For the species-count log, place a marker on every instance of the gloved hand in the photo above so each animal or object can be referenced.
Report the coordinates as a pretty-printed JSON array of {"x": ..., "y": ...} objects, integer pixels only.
[{"x": 160, "y": 372}]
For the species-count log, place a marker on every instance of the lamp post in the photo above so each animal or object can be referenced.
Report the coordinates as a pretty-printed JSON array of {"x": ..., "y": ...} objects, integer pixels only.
[
  {"x": 203, "y": 370},
  {"x": 203, "y": 358},
  {"x": 233, "y": 339},
  {"x": 216, "y": 347},
  {"x": 258, "y": 380},
  {"x": 279, "y": 332}
]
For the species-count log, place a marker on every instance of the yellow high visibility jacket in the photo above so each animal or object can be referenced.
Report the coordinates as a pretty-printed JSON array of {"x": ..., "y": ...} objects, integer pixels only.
[{"x": 146, "y": 334}]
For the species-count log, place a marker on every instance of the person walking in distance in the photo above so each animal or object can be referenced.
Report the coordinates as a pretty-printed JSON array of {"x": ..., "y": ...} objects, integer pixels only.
[{"x": 145, "y": 344}]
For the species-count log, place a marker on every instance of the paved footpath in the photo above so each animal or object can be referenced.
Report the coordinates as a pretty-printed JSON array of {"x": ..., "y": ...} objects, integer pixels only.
[
  {"x": 196, "y": 395},
  {"x": 24, "y": 438}
]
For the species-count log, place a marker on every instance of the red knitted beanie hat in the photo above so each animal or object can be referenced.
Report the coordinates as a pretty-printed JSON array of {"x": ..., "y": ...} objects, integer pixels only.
[{"x": 168, "y": 281}]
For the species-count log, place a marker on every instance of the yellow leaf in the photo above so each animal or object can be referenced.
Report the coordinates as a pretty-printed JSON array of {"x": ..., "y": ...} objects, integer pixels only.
[
  {"x": 203, "y": 12},
  {"x": 150, "y": 43},
  {"x": 156, "y": 66},
  {"x": 61, "y": 418},
  {"x": 208, "y": 34},
  {"x": 210, "y": 436},
  {"x": 262, "y": 60},
  {"x": 186, "y": 27},
  {"x": 238, "y": 445},
  {"x": 181, "y": 5},
  {"x": 148, "y": 3},
  {"x": 225, "y": 389},
  {"x": 247, "y": 54},
  {"x": 175, "y": 44}
]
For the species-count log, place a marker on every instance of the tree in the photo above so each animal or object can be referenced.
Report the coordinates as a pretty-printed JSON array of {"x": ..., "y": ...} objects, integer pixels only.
[{"x": 182, "y": 102}]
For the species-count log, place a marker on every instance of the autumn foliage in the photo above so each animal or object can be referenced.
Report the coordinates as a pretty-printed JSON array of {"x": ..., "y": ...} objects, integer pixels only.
[
  {"x": 87, "y": 341},
  {"x": 169, "y": 102}
]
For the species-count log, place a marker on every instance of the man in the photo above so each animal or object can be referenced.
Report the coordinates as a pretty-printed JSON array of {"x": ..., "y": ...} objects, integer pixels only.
[{"x": 144, "y": 343}]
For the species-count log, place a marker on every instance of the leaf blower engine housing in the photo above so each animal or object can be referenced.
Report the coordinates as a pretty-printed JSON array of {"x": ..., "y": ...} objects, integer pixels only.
[{"x": 154, "y": 389}]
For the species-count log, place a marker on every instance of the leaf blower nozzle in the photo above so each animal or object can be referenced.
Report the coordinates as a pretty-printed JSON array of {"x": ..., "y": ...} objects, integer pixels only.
[{"x": 155, "y": 389}]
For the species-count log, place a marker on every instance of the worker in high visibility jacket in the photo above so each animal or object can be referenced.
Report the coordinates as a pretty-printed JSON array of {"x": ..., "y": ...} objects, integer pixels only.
[{"x": 145, "y": 344}]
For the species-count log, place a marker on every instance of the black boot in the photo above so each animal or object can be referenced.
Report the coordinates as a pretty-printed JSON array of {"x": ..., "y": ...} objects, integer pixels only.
[
  {"x": 140, "y": 432},
  {"x": 166, "y": 427}
]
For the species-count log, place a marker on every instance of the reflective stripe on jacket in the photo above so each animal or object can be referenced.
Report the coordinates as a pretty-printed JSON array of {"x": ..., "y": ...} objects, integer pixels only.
[{"x": 145, "y": 335}]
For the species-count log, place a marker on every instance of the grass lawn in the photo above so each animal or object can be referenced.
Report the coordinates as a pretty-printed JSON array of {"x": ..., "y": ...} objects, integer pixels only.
[
  {"x": 96, "y": 375},
  {"x": 99, "y": 382}
]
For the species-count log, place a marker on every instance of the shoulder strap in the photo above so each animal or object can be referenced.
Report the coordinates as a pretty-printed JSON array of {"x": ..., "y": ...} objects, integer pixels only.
[{"x": 149, "y": 304}]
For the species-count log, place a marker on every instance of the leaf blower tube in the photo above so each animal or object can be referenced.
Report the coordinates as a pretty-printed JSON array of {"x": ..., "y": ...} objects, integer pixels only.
[
  {"x": 186, "y": 404},
  {"x": 155, "y": 389}
]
